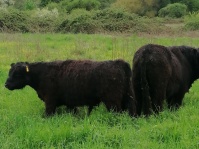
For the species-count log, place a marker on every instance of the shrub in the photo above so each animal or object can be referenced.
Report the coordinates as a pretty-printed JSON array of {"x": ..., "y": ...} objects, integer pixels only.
[
  {"x": 43, "y": 3},
  {"x": 26, "y": 4},
  {"x": 192, "y": 21},
  {"x": 175, "y": 10},
  {"x": 79, "y": 21},
  {"x": 140, "y": 7},
  {"x": 105, "y": 3},
  {"x": 106, "y": 20},
  {"x": 192, "y": 5},
  {"x": 44, "y": 20},
  {"x": 13, "y": 20},
  {"x": 79, "y": 4},
  {"x": 6, "y": 3},
  {"x": 118, "y": 20}
]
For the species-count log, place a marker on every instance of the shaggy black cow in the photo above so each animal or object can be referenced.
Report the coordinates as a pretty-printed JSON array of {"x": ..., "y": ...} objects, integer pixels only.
[
  {"x": 163, "y": 73},
  {"x": 76, "y": 83}
]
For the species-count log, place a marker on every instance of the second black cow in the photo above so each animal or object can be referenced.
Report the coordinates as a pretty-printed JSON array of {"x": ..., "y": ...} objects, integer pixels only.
[
  {"x": 161, "y": 73},
  {"x": 76, "y": 83}
]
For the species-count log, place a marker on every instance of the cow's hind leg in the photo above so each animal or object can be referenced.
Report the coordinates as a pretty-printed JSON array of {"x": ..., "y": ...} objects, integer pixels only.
[
  {"x": 157, "y": 98},
  {"x": 138, "y": 97},
  {"x": 176, "y": 101},
  {"x": 113, "y": 103},
  {"x": 158, "y": 93}
]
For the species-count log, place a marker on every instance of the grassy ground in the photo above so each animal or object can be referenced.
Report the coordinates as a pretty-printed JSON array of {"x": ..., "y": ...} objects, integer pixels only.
[{"x": 21, "y": 122}]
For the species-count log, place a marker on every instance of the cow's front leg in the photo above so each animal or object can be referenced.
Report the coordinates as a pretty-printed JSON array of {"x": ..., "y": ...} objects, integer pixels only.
[{"x": 50, "y": 108}]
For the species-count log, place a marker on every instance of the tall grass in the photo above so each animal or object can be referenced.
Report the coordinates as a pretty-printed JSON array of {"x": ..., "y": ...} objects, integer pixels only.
[{"x": 23, "y": 126}]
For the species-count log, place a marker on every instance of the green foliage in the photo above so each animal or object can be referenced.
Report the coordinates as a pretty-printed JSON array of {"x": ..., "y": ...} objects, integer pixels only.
[
  {"x": 79, "y": 21},
  {"x": 44, "y": 20},
  {"x": 26, "y": 4},
  {"x": 6, "y": 3},
  {"x": 105, "y": 3},
  {"x": 116, "y": 20},
  {"x": 192, "y": 5},
  {"x": 163, "y": 3},
  {"x": 12, "y": 20},
  {"x": 79, "y": 4},
  {"x": 106, "y": 20},
  {"x": 143, "y": 8},
  {"x": 43, "y": 3},
  {"x": 192, "y": 21},
  {"x": 175, "y": 10}
]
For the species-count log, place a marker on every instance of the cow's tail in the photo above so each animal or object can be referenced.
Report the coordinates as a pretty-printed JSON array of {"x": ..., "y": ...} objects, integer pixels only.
[
  {"x": 129, "y": 102},
  {"x": 146, "y": 99}
]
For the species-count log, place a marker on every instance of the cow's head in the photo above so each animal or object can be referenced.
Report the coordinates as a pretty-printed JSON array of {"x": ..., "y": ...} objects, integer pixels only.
[{"x": 18, "y": 76}]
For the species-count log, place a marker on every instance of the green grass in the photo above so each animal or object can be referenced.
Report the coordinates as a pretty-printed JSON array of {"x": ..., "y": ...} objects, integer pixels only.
[{"x": 21, "y": 122}]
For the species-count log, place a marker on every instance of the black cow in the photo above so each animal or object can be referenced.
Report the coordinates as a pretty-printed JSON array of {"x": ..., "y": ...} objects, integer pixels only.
[
  {"x": 160, "y": 73},
  {"x": 76, "y": 83}
]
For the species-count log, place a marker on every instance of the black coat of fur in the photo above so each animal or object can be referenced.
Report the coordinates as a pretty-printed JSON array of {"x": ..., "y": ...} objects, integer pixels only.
[
  {"x": 163, "y": 73},
  {"x": 76, "y": 83}
]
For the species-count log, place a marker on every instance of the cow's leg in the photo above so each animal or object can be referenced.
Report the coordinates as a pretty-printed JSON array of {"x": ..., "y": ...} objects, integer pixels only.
[
  {"x": 50, "y": 110},
  {"x": 158, "y": 73},
  {"x": 138, "y": 97},
  {"x": 176, "y": 101},
  {"x": 50, "y": 107},
  {"x": 113, "y": 102},
  {"x": 90, "y": 108},
  {"x": 158, "y": 92}
]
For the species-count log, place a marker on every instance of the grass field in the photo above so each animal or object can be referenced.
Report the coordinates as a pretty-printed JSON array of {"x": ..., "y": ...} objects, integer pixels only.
[{"x": 22, "y": 125}]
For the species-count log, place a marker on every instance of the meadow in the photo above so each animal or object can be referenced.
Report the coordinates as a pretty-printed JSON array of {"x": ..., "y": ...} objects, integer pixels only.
[{"x": 23, "y": 126}]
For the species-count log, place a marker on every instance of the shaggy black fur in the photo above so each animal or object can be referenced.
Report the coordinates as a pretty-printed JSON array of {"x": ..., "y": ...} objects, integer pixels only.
[
  {"x": 76, "y": 83},
  {"x": 163, "y": 73}
]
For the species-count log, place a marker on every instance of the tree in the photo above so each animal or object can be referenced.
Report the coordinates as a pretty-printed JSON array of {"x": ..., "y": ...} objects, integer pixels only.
[
  {"x": 141, "y": 7},
  {"x": 46, "y": 2},
  {"x": 163, "y": 3},
  {"x": 82, "y": 4},
  {"x": 105, "y": 3},
  {"x": 192, "y": 5}
]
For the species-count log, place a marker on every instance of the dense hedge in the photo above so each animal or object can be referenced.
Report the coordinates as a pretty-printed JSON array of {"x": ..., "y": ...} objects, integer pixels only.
[
  {"x": 13, "y": 20},
  {"x": 79, "y": 20}
]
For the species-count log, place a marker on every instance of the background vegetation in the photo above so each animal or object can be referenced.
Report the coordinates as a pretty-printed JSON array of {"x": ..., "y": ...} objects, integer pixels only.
[
  {"x": 21, "y": 122},
  {"x": 96, "y": 16}
]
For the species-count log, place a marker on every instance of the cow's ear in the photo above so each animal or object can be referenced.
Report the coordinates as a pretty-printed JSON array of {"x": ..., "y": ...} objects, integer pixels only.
[
  {"x": 12, "y": 64},
  {"x": 27, "y": 66}
]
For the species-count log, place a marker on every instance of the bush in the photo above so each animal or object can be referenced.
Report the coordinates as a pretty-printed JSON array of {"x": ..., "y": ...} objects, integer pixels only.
[
  {"x": 140, "y": 7},
  {"x": 192, "y": 21},
  {"x": 13, "y": 20},
  {"x": 79, "y": 21},
  {"x": 26, "y": 4},
  {"x": 79, "y": 4},
  {"x": 118, "y": 20},
  {"x": 44, "y": 20},
  {"x": 175, "y": 10},
  {"x": 192, "y": 5}
]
